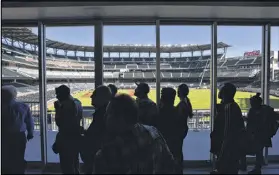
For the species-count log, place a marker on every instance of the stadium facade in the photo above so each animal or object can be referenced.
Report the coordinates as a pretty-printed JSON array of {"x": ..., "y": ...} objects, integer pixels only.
[{"x": 35, "y": 64}]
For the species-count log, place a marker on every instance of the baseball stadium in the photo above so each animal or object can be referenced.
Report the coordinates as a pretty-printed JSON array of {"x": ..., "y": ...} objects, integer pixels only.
[{"x": 20, "y": 68}]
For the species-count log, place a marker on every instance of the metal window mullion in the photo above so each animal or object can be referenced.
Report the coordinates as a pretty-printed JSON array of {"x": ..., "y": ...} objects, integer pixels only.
[
  {"x": 98, "y": 53},
  {"x": 263, "y": 62},
  {"x": 213, "y": 79},
  {"x": 158, "y": 71},
  {"x": 42, "y": 91},
  {"x": 266, "y": 84}
]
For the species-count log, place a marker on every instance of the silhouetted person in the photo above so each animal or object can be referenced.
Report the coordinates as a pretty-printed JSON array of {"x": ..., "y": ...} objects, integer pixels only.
[
  {"x": 95, "y": 134},
  {"x": 16, "y": 120},
  {"x": 68, "y": 114},
  {"x": 113, "y": 89},
  {"x": 147, "y": 108},
  {"x": 228, "y": 127},
  {"x": 184, "y": 107},
  {"x": 258, "y": 129},
  {"x": 171, "y": 125},
  {"x": 133, "y": 148}
]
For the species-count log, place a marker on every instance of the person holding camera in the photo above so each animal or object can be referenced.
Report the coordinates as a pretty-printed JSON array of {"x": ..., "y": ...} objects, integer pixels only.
[{"x": 68, "y": 114}]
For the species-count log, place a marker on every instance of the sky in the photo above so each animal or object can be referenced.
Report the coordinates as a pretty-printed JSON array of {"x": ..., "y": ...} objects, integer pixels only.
[{"x": 241, "y": 38}]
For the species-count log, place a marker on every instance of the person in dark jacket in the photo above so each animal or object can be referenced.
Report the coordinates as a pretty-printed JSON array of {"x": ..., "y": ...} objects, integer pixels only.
[
  {"x": 147, "y": 108},
  {"x": 68, "y": 114},
  {"x": 184, "y": 107},
  {"x": 95, "y": 134},
  {"x": 133, "y": 148},
  {"x": 227, "y": 130},
  {"x": 172, "y": 126},
  {"x": 256, "y": 128}
]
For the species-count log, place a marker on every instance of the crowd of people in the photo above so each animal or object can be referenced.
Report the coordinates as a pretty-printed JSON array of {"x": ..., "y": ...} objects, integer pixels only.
[{"x": 130, "y": 136}]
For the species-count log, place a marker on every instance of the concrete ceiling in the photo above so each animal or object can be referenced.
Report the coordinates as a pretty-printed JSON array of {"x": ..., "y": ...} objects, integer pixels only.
[{"x": 89, "y": 10}]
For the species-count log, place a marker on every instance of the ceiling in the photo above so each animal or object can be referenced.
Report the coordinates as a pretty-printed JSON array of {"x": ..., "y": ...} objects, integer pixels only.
[{"x": 89, "y": 10}]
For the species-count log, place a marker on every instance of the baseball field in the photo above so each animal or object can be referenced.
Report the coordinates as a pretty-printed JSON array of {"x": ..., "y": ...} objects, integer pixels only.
[{"x": 200, "y": 98}]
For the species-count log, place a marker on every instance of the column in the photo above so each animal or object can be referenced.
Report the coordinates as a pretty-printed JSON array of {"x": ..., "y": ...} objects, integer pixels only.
[
  {"x": 42, "y": 91},
  {"x": 158, "y": 72},
  {"x": 265, "y": 73},
  {"x": 98, "y": 53},
  {"x": 213, "y": 78}
]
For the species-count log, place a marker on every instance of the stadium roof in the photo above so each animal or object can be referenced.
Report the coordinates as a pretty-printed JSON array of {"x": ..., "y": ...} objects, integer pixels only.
[{"x": 27, "y": 36}]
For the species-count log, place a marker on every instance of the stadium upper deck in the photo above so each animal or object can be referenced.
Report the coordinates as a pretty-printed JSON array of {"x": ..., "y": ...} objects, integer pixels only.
[
  {"x": 26, "y": 36},
  {"x": 20, "y": 61}
]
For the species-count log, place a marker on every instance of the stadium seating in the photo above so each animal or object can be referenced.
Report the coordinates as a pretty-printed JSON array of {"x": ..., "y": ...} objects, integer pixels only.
[
  {"x": 127, "y": 59},
  {"x": 149, "y": 75},
  {"x": 138, "y": 75},
  {"x": 143, "y": 66},
  {"x": 257, "y": 61},
  {"x": 116, "y": 59},
  {"x": 176, "y": 74},
  {"x": 152, "y": 66},
  {"x": 132, "y": 66},
  {"x": 231, "y": 62},
  {"x": 245, "y": 61},
  {"x": 10, "y": 73},
  {"x": 109, "y": 66},
  {"x": 150, "y": 59},
  {"x": 166, "y": 74},
  {"x": 120, "y": 66}
]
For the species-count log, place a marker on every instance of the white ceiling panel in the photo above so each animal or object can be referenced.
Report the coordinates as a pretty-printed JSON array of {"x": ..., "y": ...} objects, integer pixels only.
[{"x": 163, "y": 11}]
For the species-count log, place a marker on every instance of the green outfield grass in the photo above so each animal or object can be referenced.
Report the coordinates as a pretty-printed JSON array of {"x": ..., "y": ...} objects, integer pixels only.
[{"x": 200, "y": 98}]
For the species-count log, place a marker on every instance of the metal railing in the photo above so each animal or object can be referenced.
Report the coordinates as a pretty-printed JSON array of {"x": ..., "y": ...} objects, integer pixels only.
[{"x": 200, "y": 121}]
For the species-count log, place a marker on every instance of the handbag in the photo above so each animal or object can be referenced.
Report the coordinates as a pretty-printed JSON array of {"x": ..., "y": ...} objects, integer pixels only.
[{"x": 249, "y": 144}]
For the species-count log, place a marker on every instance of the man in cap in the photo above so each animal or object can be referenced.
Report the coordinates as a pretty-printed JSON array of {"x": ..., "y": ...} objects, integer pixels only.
[
  {"x": 147, "y": 108},
  {"x": 229, "y": 126},
  {"x": 16, "y": 120},
  {"x": 68, "y": 114},
  {"x": 95, "y": 134}
]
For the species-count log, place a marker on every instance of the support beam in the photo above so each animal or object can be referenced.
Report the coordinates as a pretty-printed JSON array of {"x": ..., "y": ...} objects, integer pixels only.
[
  {"x": 266, "y": 71},
  {"x": 98, "y": 53},
  {"x": 42, "y": 91},
  {"x": 213, "y": 79},
  {"x": 158, "y": 72}
]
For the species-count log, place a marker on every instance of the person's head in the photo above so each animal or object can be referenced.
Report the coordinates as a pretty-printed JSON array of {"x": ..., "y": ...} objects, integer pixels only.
[
  {"x": 122, "y": 113},
  {"x": 113, "y": 89},
  {"x": 256, "y": 101},
  {"x": 227, "y": 91},
  {"x": 183, "y": 91},
  {"x": 62, "y": 92},
  {"x": 167, "y": 96},
  {"x": 142, "y": 90},
  {"x": 101, "y": 96},
  {"x": 8, "y": 93}
]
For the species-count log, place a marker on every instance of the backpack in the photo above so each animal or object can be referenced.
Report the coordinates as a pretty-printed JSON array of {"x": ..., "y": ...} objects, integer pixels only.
[{"x": 270, "y": 122}]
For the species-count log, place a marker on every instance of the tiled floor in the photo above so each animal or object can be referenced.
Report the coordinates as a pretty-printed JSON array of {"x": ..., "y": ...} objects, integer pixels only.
[{"x": 270, "y": 169}]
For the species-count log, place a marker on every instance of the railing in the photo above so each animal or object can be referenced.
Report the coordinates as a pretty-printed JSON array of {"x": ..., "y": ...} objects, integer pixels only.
[{"x": 200, "y": 121}]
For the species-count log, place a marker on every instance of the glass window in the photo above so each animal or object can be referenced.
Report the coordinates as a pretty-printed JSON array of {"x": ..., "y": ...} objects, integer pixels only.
[
  {"x": 274, "y": 83},
  {"x": 19, "y": 60},
  {"x": 186, "y": 59},
  {"x": 241, "y": 64},
  {"x": 129, "y": 60},
  {"x": 69, "y": 61}
]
